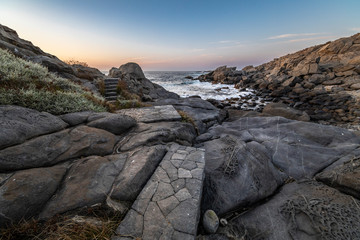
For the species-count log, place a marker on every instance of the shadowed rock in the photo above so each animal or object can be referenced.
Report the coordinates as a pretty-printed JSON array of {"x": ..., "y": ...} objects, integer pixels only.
[
  {"x": 53, "y": 148},
  {"x": 25, "y": 193},
  {"x": 19, "y": 124}
]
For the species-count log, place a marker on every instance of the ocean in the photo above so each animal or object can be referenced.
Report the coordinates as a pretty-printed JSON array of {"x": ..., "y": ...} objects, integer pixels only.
[{"x": 176, "y": 81}]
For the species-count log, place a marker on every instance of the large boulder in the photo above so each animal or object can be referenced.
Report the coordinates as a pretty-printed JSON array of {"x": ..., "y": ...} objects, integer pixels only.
[
  {"x": 345, "y": 177},
  {"x": 116, "y": 124},
  {"x": 19, "y": 124},
  {"x": 87, "y": 182},
  {"x": 202, "y": 113},
  {"x": 132, "y": 69},
  {"x": 139, "y": 167},
  {"x": 283, "y": 110},
  {"x": 136, "y": 83},
  {"x": 256, "y": 155},
  {"x": 25, "y": 193},
  {"x": 304, "y": 210},
  {"x": 61, "y": 146},
  {"x": 157, "y": 133}
]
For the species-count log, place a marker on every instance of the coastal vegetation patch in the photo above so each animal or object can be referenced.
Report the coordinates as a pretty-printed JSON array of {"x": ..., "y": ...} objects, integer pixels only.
[{"x": 27, "y": 84}]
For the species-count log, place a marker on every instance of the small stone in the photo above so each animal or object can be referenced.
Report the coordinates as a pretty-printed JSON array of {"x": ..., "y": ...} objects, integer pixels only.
[
  {"x": 210, "y": 221},
  {"x": 223, "y": 222},
  {"x": 183, "y": 173},
  {"x": 183, "y": 194}
]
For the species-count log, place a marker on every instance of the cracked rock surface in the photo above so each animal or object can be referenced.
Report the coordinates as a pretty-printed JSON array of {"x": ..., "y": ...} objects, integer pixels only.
[{"x": 168, "y": 206}]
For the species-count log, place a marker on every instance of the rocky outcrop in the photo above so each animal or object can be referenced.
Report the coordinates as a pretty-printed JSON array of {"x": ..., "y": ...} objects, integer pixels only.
[
  {"x": 301, "y": 210},
  {"x": 255, "y": 156},
  {"x": 223, "y": 74},
  {"x": 10, "y": 40},
  {"x": 82, "y": 159},
  {"x": 321, "y": 80},
  {"x": 135, "y": 82},
  {"x": 19, "y": 124},
  {"x": 202, "y": 113}
]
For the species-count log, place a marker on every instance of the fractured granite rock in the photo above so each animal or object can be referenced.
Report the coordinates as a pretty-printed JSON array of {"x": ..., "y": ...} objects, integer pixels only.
[{"x": 163, "y": 211}]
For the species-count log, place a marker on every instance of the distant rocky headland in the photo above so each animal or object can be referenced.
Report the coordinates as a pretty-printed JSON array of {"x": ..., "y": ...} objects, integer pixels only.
[
  {"x": 323, "y": 80},
  {"x": 134, "y": 161}
]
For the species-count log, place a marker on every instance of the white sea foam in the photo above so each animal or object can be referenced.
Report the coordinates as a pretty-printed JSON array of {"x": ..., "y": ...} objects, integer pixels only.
[{"x": 176, "y": 82}]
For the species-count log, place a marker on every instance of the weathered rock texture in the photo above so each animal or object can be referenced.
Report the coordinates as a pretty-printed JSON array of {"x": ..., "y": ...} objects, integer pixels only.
[
  {"x": 19, "y": 124},
  {"x": 322, "y": 80},
  {"x": 306, "y": 210},
  {"x": 10, "y": 40},
  {"x": 169, "y": 205},
  {"x": 251, "y": 157},
  {"x": 132, "y": 76}
]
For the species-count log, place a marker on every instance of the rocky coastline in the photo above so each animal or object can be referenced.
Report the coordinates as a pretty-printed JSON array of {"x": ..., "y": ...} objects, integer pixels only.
[
  {"x": 322, "y": 80},
  {"x": 275, "y": 174}
]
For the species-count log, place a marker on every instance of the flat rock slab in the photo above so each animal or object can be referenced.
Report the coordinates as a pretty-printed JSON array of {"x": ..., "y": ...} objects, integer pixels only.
[
  {"x": 168, "y": 207},
  {"x": 18, "y": 124},
  {"x": 153, "y": 114},
  {"x": 345, "y": 178}
]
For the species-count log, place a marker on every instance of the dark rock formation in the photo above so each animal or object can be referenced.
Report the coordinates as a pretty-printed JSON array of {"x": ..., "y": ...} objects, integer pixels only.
[
  {"x": 320, "y": 80},
  {"x": 19, "y": 124},
  {"x": 254, "y": 156},
  {"x": 306, "y": 210},
  {"x": 10, "y": 40},
  {"x": 134, "y": 79}
]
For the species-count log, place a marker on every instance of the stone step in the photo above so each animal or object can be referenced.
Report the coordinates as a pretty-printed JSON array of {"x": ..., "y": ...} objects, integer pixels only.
[
  {"x": 111, "y": 81},
  {"x": 110, "y": 98},
  {"x": 168, "y": 207},
  {"x": 110, "y": 86},
  {"x": 110, "y": 93}
]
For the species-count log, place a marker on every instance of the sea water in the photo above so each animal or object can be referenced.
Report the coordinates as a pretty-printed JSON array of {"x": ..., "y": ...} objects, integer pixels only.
[{"x": 176, "y": 81}]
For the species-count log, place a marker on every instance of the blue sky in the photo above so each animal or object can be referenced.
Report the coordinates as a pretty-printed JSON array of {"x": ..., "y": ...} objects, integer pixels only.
[{"x": 181, "y": 34}]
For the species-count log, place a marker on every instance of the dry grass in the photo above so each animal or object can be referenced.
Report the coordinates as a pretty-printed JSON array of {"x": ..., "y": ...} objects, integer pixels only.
[
  {"x": 186, "y": 118},
  {"x": 76, "y": 62},
  {"x": 97, "y": 226},
  {"x": 122, "y": 90}
]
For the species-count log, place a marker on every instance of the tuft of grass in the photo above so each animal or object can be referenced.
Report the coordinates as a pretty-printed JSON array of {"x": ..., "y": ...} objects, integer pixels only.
[
  {"x": 76, "y": 62},
  {"x": 122, "y": 90},
  {"x": 124, "y": 104},
  {"x": 186, "y": 118},
  {"x": 31, "y": 85},
  {"x": 99, "y": 226},
  {"x": 101, "y": 86}
]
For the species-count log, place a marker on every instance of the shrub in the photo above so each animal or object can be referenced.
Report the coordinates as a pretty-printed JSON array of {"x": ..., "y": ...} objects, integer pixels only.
[
  {"x": 31, "y": 85},
  {"x": 186, "y": 118},
  {"x": 122, "y": 90},
  {"x": 75, "y": 62}
]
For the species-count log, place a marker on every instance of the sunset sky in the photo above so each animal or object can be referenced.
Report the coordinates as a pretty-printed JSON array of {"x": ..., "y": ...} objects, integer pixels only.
[{"x": 178, "y": 34}]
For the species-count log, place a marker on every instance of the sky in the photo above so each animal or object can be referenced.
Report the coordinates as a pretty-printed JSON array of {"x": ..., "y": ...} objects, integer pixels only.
[{"x": 178, "y": 34}]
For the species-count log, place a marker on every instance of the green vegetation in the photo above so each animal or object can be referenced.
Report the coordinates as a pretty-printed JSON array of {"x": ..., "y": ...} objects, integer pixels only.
[{"x": 30, "y": 85}]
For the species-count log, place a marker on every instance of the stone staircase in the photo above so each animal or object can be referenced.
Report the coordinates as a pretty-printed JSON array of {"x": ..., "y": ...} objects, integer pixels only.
[
  {"x": 110, "y": 88},
  {"x": 168, "y": 207}
]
